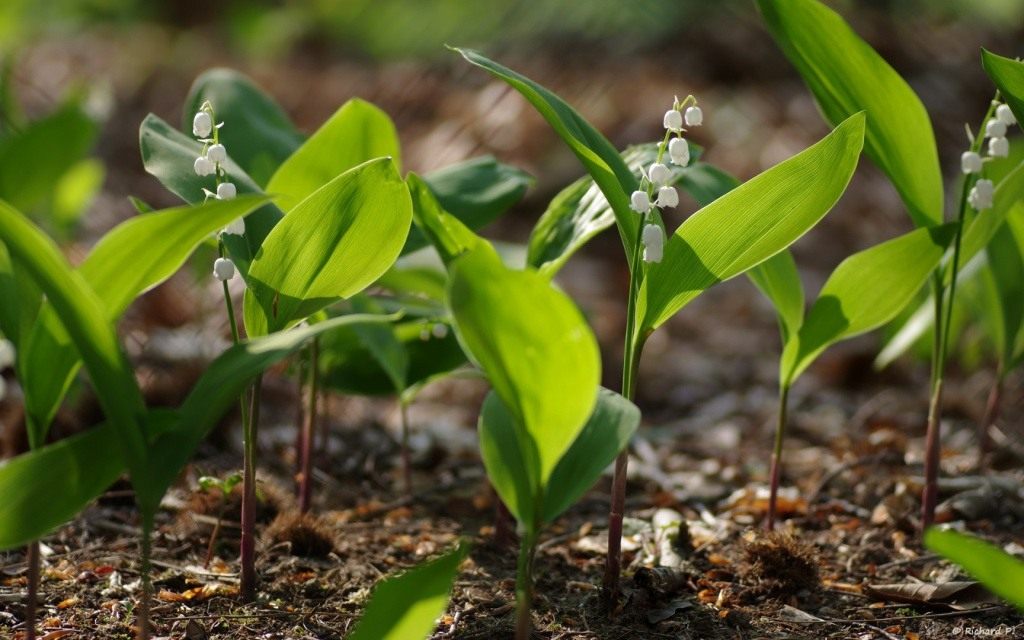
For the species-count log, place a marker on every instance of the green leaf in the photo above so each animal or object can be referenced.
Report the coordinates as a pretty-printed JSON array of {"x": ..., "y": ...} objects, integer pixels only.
[
  {"x": 749, "y": 224},
  {"x": 505, "y": 453},
  {"x": 778, "y": 279},
  {"x": 847, "y": 76},
  {"x": 332, "y": 245},
  {"x": 600, "y": 158},
  {"x": 1006, "y": 266},
  {"x": 82, "y": 314},
  {"x": 257, "y": 133},
  {"x": 1001, "y": 573},
  {"x": 475, "y": 192},
  {"x": 535, "y": 347},
  {"x": 407, "y": 606},
  {"x": 22, "y": 299},
  {"x": 449, "y": 236},
  {"x": 864, "y": 292},
  {"x": 75, "y": 191},
  {"x": 119, "y": 273},
  {"x": 383, "y": 344},
  {"x": 168, "y": 155},
  {"x": 1008, "y": 76},
  {"x": 356, "y": 133}
]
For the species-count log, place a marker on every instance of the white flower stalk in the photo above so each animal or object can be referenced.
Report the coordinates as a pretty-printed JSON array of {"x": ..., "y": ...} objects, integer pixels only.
[
  {"x": 970, "y": 162},
  {"x": 659, "y": 174},
  {"x": 998, "y": 147},
  {"x": 980, "y": 197},
  {"x": 204, "y": 167},
  {"x": 223, "y": 269},
  {"x": 654, "y": 243},
  {"x": 995, "y": 128},
  {"x": 640, "y": 201},
  {"x": 7, "y": 354},
  {"x": 226, "y": 191},
  {"x": 667, "y": 197},
  {"x": 1005, "y": 115},
  {"x": 694, "y": 116},
  {"x": 679, "y": 151},
  {"x": 202, "y": 125},
  {"x": 673, "y": 120},
  {"x": 217, "y": 153},
  {"x": 236, "y": 228}
]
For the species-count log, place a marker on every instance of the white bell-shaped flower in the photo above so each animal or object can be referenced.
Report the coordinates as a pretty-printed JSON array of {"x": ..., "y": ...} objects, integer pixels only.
[
  {"x": 995, "y": 128},
  {"x": 7, "y": 353},
  {"x": 654, "y": 243},
  {"x": 217, "y": 153},
  {"x": 236, "y": 228},
  {"x": 439, "y": 330},
  {"x": 970, "y": 162},
  {"x": 694, "y": 116},
  {"x": 980, "y": 197},
  {"x": 203, "y": 166},
  {"x": 640, "y": 201},
  {"x": 202, "y": 125},
  {"x": 659, "y": 174},
  {"x": 1005, "y": 115},
  {"x": 667, "y": 197},
  {"x": 679, "y": 151},
  {"x": 226, "y": 191},
  {"x": 673, "y": 120},
  {"x": 223, "y": 269},
  {"x": 998, "y": 147}
]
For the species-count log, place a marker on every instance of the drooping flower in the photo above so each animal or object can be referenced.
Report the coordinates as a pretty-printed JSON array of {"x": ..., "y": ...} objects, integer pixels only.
[
  {"x": 217, "y": 153},
  {"x": 667, "y": 197},
  {"x": 995, "y": 128},
  {"x": 6, "y": 353},
  {"x": 223, "y": 269},
  {"x": 440, "y": 330},
  {"x": 980, "y": 197},
  {"x": 970, "y": 162},
  {"x": 694, "y": 116},
  {"x": 679, "y": 151},
  {"x": 673, "y": 120},
  {"x": 640, "y": 201},
  {"x": 998, "y": 147},
  {"x": 659, "y": 174},
  {"x": 236, "y": 228},
  {"x": 654, "y": 243},
  {"x": 202, "y": 125},
  {"x": 203, "y": 166},
  {"x": 1005, "y": 115},
  {"x": 226, "y": 191}
]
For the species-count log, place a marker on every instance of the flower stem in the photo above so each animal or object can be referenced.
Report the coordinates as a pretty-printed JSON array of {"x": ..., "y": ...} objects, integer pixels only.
[
  {"x": 308, "y": 425},
  {"x": 248, "y": 545},
  {"x": 992, "y": 411},
  {"x": 403, "y": 408},
  {"x": 524, "y": 585},
  {"x": 143, "y": 620},
  {"x": 776, "y": 466},
  {"x": 32, "y": 599}
]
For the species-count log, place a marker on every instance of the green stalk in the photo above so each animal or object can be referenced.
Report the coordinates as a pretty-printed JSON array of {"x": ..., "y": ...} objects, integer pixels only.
[
  {"x": 776, "y": 466},
  {"x": 308, "y": 425},
  {"x": 403, "y": 408},
  {"x": 524, "y": 585},
  {"x": 32, "y": 603},
  {"x": 144, "y": 625},
  {"x": 248, "y": 543}
]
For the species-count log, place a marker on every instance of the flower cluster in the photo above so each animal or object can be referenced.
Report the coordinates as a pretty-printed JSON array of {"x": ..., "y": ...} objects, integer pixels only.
[
  {"x": 211, "y": 162},
  {"x": 655, "y": 188},
  {"x": 971, "y": 162}
]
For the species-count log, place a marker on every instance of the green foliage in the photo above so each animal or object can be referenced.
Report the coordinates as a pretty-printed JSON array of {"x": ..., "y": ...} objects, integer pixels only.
[
  {"x": 847, "y": 76},
  {"x": 449, "y": 236},
  {"x": 1004, "y": 275},
  {"x": 407, "y": 606},
  {"x": 749, "y": 224},
  {"x": 22, "y": 296},
  {"x": 778, "y": 279},
  {"x": 332, "y": 245},
  {"x": 1008, "y": 76},
  {"x": 1001, "y": 573}
]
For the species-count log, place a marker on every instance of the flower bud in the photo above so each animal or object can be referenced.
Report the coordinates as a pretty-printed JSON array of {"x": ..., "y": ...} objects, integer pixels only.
[
  {"x": 667, "y": 197},
  {"x": 217, "y": 153},
  {"x": 679, "y": 151},
  {"x": 998, "y": 147},
  {"x": 673, "y": 120},
  {"x": 203, "y": 166},
  {"x": 995, "y": 128},
  {"x": 970, "y": 162},
  {"x": 223, "y": 269},
  {"x": 654, "y": 243},
  {"x": 640, "y": 201},
  {"x": 980, "y": 197},
  {"x": 236, "y": 228},
  {"x": 659, "y": 174},
  {"x": 6, "y": 354},
  {"x": 202, "y": 125},
  {"x": 226, "y": 191},
  {"x": 440, "y": 330},
  {"x": 1005, "y": 115},
  {"x": 694, "y": 117}
]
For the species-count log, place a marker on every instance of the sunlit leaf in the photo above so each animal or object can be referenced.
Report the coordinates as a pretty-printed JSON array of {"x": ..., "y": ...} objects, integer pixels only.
[
  {"x": 778, "y": 279},
  {"x": 1008, "y": 76},
  {"x": 1000, "y": 572},
  {"x": 450, "y": 237}
]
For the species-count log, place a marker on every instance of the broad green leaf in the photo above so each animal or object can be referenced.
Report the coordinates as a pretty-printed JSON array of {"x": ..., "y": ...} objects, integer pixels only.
[
  {"x": 382, "y": 342},
  {"x": 847, "y": 76},
  {"x": 356, "y": 133},
  {"x": 257, "y": 132},
  {"x": 1008, "y": 76},
  {"x": 168, "y": 155},
  {"x": 475, "y": 191},
  {"x": 449, "y": 236},
  {"x": 535, "y": 347},
  {"x": 864, "y": 292},
  {"x": 34, "y": 160},
  {"x": 506, "y": 453},
  {"x": 407, "y": 606},
  {"x": 415, "y": 279},
  {"x": 749, "y": 224},
  {"x": 21, "y": 296},
  {"x": 1006, "y": 266},
  {"x": 332, "y": 245},
  {"x": 118, "y": 272},
  {"x": 778, "y": 279},
  {"x": 607, "y": 432},
  {"x": 1001, "y": 573},
  {"x": 82, "y": 314},
  {"x": 598, "y": 155}
]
